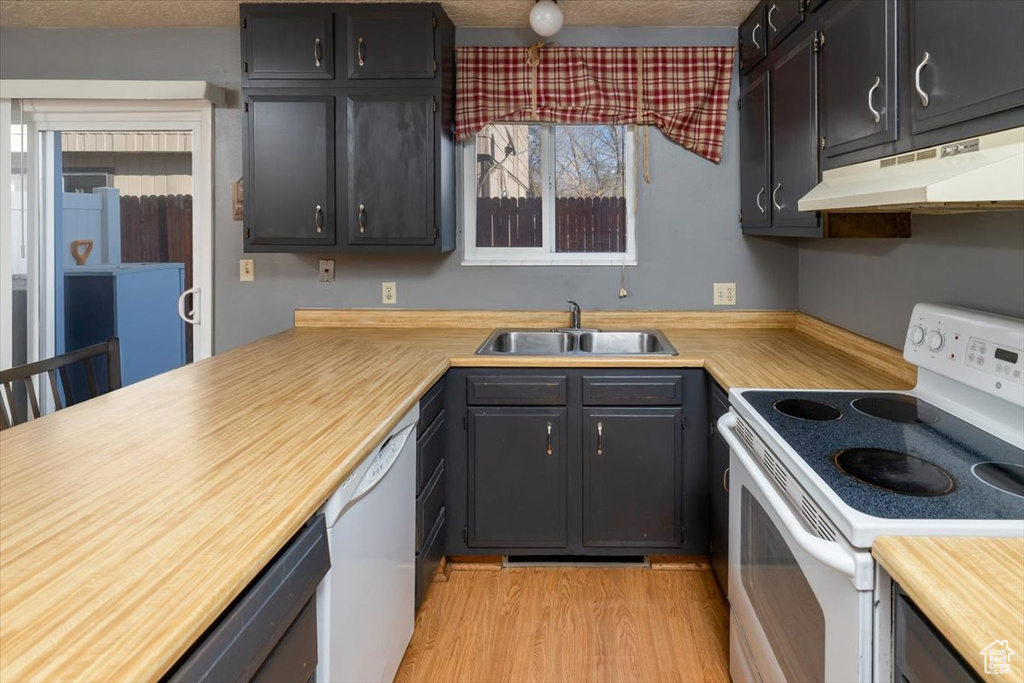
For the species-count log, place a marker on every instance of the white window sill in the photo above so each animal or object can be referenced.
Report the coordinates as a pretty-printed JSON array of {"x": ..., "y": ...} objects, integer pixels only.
[{"x": 548, "y": 262}]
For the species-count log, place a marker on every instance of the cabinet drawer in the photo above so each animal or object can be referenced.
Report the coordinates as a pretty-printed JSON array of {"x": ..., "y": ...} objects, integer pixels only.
[
  {"x": 287, "y": 44},
  {"x": 390, "y": 44},
  {"x": 429, "y": 505},
  {"x": 922, "y": 654},
  {"x": 429, "y": 452},
  {"x": 430, "y": 406},
  {"x": 497, "y": 390},
  {"x": 632, "y": 390},
  {"x": 294, "y": 658},
  {"x": 429, "y": 558}
]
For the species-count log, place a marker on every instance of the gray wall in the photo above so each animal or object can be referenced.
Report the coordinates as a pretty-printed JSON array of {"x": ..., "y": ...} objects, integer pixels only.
[
  {"x": 871, "y": 286},
  {"x": 688, "y": 237}
]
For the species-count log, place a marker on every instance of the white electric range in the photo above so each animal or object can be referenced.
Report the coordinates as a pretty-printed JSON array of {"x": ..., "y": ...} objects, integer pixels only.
[{"x": 816, "y": 476}]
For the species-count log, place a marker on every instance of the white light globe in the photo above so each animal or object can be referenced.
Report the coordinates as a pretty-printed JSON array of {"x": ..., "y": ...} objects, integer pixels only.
[{"x": 546, "y": 18}]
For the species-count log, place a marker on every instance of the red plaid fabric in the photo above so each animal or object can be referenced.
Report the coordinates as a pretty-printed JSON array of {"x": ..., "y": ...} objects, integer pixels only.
[{"x": 685, "y": 89}]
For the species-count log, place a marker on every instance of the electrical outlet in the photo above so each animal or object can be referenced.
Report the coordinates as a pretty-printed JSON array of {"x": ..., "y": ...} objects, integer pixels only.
[
  {"x": 246, "y": 270},
  {"x": 725, "y": 294},
  {"x": 389, "y": 293},
  {"x": 326, "y": 270}
]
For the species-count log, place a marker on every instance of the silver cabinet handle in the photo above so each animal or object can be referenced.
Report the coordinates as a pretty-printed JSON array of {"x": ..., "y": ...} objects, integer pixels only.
[
  {"x": 760, "y": 206},
  {"x": 318, "y": 219},
  {"x": 725, "y": 480},
  {"x": 318, "y": 52},
  {"x": 600, "y": 438},
  {"x": 774, "y": 192},
  {"x": 917, "y": 81},
  {"x": 871, "y": 92},
  {"x": 362, "y": 218},
  {"x": 361, "y": 51},
  {"x": 550, "y": 451},
  {"x": 753, "y": 35},
  {"x": 770, "y": 24}
]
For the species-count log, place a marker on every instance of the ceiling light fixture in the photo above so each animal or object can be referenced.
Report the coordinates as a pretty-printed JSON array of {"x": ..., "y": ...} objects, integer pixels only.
[{"x": 546, "y": 18}]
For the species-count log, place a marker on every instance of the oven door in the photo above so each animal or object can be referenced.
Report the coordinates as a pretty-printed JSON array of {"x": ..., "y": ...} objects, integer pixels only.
[{"x": 801, "y": 604}]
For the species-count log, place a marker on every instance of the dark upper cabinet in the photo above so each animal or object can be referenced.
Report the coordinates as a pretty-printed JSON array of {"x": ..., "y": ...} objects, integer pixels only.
[
  {"x": 858, "y": 75},
  {"x": 753, "y": 39},
  {"x": 385, "y": 43},
  {"x": 755, "y": 177},
  {"x": 781, "y": 17},
  {"x": 289, "y": 170},
  {"x": 967, "y": 60},
  {"x": 285, "y": 43},
  {"x": 517, "y": 460},
  {"x": 390, "y": 152},
  {"x": 632, "y": 477},
  {"x": 794, "y": 132}
]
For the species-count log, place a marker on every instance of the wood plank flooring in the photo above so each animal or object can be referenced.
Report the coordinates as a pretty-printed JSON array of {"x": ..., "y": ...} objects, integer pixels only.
[{"x": 550, "y": 624}]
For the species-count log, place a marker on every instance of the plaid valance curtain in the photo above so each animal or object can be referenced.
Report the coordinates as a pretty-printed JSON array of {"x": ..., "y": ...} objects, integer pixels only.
[{"x": 684, "y": 91}]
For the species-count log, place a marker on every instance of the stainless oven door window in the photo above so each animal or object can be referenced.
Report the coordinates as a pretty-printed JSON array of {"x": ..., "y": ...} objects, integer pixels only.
[{"x": 785, "y": 604}]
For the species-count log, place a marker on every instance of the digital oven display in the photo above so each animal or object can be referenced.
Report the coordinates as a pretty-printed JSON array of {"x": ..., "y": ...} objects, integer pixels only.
[{"x": 1006, "y": 356}]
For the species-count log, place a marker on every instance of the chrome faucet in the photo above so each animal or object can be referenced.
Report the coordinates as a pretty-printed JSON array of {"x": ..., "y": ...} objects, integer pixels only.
[{"x": 574, "y": 314}]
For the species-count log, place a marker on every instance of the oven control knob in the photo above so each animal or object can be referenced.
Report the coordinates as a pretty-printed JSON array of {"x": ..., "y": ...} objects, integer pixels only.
[
  {"x": 916, "y": 335},
  {"x": 935, "y": 340}
]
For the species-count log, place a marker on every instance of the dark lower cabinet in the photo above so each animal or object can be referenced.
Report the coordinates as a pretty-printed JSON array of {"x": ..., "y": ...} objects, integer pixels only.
[
  {"x": 967, "y": 59},
  {"x": 858, "y": 75},
  {"x": 289, "y": 170},
  {"x": 431, "y": 483},
  {"x": 632, "y": 477},
  {"x": 718, "y": 486},
  {"x": 391, "y": 181},
  {"x": 517, "y": 475},
  {"x": 920, "y": 653}
]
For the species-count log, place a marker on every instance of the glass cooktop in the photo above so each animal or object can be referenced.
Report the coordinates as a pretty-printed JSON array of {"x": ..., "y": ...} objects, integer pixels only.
[{"x": 895, "y": 456}]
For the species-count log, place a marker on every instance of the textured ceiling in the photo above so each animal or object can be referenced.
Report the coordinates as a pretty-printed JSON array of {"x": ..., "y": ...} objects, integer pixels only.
[{"x": 129, "y": 13}]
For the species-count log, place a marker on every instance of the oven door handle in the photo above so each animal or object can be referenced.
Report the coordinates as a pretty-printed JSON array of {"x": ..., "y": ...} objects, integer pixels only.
[{"x": 828, "y": 553}]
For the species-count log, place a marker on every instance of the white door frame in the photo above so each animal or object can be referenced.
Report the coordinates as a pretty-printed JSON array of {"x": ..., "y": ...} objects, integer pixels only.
[{"x": 46, "y": 115}]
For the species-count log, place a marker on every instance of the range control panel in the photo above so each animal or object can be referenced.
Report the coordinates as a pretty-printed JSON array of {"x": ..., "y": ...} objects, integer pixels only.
[{"x": 979, "y": 349}]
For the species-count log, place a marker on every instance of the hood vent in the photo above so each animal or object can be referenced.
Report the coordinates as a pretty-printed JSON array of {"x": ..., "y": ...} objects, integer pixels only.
[{"x": 976, "y": 174}]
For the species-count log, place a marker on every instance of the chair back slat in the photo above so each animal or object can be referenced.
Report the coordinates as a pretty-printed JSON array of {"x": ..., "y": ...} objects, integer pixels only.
[
  {"x": 52, "y": 375},
  {"x": 52, "y": 367}
]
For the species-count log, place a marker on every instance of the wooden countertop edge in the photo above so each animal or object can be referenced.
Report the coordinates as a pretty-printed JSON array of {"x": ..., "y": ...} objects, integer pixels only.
[
  {"x": 935, "y": 571},
  {"x": 868, "y": 351}
]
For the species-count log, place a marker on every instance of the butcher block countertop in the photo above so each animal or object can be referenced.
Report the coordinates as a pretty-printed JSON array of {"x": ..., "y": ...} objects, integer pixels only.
[
  {"x": 972, "y": 589},
  {"x": 130, "y": 522}
]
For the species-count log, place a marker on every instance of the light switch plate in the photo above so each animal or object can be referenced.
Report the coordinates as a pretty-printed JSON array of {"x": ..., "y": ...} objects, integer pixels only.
[
  {"x": 326, "y": 270},
  {"x": 388, "y": 293},
  {"x": 725, "y": 294},
  {"x": 246, "y": 270}
]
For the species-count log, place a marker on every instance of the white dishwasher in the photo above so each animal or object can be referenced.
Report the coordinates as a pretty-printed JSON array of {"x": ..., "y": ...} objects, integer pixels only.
[{"x": 365, "y": 604}]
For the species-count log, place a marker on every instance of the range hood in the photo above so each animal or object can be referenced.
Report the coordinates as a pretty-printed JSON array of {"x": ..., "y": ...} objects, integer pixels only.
[{"x": 982, "y": 173}]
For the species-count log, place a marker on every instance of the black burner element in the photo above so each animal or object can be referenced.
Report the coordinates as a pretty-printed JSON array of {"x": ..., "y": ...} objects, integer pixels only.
[
  {"x": 1004, "y": 476},
  {"x": 807, "y": 410},
  {"x": 896, "y": 408},
  {"x": 894, "y": 471}
]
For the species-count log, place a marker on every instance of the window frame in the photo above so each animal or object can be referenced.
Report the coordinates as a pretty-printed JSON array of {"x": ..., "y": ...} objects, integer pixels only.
[{"x": 544, "y": 255}]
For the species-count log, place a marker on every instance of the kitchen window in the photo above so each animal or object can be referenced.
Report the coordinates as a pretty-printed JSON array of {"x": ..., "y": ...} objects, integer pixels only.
[{"x": 543, "y": 194}]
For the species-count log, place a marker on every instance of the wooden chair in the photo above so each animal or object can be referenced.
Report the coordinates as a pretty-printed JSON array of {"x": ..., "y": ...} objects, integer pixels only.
[{"x": 52, "y": 367}]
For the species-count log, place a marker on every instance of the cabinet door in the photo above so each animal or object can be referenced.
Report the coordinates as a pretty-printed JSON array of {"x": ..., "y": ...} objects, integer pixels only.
[
  {"x": 632, "y": 477},
  {"x": 390, "y": 158},
  {"x": 753, "y": 40},
  {"x": 718, "y": 478},
  {"x": 794, "y": 128},
  {"x": 286, "y": 43},
  {"x": 289, "y": 178},
  {"x": 755, "y": 180},
  {"x": 782, "y": 16},
  {"x": 517, "y": 478},
  {"x": 390, "y": 43},
  {"x": 858, "y": 75},
  {"x": 975, "y": 60}
]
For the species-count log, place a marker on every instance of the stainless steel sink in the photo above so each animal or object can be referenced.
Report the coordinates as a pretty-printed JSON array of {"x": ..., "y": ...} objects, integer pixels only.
[{"x": 569, "y": 342}]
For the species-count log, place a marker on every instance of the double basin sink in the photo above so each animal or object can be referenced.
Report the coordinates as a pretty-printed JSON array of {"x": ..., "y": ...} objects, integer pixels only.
[{"x": 571, "y": 342}]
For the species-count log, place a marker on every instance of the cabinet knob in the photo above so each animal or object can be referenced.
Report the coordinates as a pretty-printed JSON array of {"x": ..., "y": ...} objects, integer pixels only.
[
  {"x": 761, "y": 207},
  {"x": 753, "y": 35},
  {"x": 550, "y": 451},
  {"x": 318, "y": 219},
  {"x": 871, "y": 93},
  {"x": 725, "y": 480},
  {"x": 775, "y": 203},
  {"x": 318, "y": 53},
  {"x": 917, "y": 80},
  {"x": 772, "y": 26},
  {"x": 362, "y": 218},
  {"x": 600, "y": 438},
  {"x": 361, "y": 51}
]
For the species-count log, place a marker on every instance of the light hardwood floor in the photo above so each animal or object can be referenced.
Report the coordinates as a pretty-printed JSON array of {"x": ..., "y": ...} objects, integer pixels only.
[{"x": 570, "y": 624}]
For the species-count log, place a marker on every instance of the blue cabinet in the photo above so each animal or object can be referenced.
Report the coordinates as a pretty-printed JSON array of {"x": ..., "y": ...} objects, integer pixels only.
[{"x": 136, "y": 302}]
